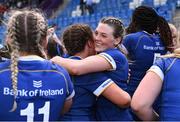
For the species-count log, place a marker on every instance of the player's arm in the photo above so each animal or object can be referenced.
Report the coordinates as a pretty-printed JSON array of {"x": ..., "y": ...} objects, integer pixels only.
[
  {"x": 117, "y": 95},
  {"x": 78, "y": 67},
  {"x": 67, "y": 106},
  {"x": 145, "y": 95}
]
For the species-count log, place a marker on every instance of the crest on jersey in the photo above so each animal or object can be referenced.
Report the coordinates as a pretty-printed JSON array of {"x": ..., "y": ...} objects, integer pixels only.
[
  {"x": 37, "y": 84},
  {"x": 157, "y": 43}
]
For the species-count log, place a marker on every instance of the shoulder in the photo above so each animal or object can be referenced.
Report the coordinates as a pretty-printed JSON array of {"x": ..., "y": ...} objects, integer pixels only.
[
  {"x": 4, "y": 65},
  {"x": 134, "y": 35},
  {"x": 56, "y": 68},
  {"x": 162, "y": 66},
  {"x": 115, "y": 57},
  {"x": 131, "y": 39},
  {"x": 116, "y": 54},
  {"x": 165, "y": 63}
]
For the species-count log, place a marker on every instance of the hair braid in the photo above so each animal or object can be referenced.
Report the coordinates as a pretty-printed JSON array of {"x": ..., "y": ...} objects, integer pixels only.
[
  {"x": 14, "y": 73},
  {"x": 14, "y": 61},
  {"x": 26, "y": 33},
  {"x": 39, "y": 31},
  {"x": 175, "y": 54},
  {"x": 42, "y": 25}
]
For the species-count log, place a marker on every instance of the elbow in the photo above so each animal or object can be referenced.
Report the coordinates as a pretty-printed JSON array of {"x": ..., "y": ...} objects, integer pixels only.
[
  {"x": 74, "y": 71},
  {"x": 137, "y": 107},
  {"x": 126, "y": 102},
  {"x": 143, "y": 111},
  {"x": 66, "y": 107}
]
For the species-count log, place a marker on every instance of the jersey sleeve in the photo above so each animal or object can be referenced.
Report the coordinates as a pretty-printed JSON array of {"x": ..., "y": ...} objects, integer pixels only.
[
  {"x": 115, "y": 58},
  {"x": 97, "y": 83},
  {"x": 158, "y": 68},
  {"x": 109, "y": 59},
  {"x": 98, "y": 91}
]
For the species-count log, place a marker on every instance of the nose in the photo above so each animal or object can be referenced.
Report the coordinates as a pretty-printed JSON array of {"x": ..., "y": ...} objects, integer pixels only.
[{"x": 97, "y": 37}]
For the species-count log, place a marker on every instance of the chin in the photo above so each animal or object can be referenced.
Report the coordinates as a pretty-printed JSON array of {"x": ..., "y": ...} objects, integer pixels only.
[{"x": 98, "y": 50}]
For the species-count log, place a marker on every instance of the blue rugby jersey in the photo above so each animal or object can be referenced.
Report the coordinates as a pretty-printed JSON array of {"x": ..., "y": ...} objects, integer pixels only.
[
  {"x": 106, "y": 110},
  {"x": 87, "y": 87},
  {"x": 43, "y": 88},
  {"x": 143, "y": 50},
  {"x": 169, "y": 105}
]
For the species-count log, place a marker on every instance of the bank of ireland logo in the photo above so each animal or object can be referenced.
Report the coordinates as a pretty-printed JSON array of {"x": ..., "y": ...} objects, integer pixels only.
[
  {"x": 157, "y": 43},
  {"x": 37, "y": 84}
]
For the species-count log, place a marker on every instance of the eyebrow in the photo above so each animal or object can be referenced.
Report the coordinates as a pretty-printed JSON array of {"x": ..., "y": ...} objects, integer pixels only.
[{"x": 101, "y": 32}]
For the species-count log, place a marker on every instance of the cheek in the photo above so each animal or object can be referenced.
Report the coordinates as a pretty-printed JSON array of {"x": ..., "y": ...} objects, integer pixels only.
[{"x": 108, "y": 42}]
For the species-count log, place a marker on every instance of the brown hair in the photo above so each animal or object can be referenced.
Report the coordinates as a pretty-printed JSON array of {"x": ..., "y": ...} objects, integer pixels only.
[
  {"x": 146, "y": 18},
  {"x": 75, "y": 37}
]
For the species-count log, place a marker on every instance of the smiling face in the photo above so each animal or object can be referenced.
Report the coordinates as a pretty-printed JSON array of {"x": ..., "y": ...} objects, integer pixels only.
[{"x": 104, "y": 38}]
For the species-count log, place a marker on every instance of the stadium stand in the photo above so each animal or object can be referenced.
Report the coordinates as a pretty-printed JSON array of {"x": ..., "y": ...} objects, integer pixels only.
[{"x": 118, "y": 8}]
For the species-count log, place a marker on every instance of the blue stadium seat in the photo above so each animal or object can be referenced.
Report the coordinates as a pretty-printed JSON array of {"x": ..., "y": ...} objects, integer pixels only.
[{"x": 117, "y": 8}]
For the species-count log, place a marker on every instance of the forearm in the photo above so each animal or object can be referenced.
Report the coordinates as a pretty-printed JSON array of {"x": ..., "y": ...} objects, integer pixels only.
[
  {"x": 69, "y": 64},
  {"x": 121, "y": 98},
  {"x": 147, "y": 115},
  {"x": 66, "y": 107},
  {"x": 79, "y": 67}
]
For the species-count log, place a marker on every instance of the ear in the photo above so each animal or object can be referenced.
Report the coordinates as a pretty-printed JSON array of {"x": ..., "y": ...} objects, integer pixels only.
[
  {"x": 117, "y": 41},
  {"x": 90, "y": 43}
]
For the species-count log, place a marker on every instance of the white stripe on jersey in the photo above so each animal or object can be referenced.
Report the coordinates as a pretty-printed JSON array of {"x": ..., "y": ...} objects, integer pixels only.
[
  {"x": 102, "y": 87},
  {"x": 158, "y": 71},
  {"x": 109, "y": 59},
  {"x": 71, "y": 95}
]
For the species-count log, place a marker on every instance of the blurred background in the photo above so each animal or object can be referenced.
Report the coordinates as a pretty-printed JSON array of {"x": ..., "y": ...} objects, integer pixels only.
[{"x": 61, "y": 13}]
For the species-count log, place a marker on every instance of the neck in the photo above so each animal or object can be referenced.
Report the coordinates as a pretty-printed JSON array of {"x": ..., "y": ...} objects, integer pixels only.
[
  {"x": 82, "y": 54},
  {"x": 25, "y": 54},
  {"x": 86, "y": 52}
]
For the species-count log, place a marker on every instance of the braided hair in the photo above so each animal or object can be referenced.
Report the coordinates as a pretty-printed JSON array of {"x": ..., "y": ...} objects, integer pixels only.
[
  {"x": 146, "y": 18},
  {"x": 175, "y": 54},
  {"x": 26, "y": 33}
]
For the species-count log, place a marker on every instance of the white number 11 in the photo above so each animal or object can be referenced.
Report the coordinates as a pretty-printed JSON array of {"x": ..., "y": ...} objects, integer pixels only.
[{"x": 29, "y": 112}]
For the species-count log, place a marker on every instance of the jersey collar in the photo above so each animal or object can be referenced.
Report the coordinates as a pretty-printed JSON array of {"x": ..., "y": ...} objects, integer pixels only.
[{"x": 31, "y": 58}]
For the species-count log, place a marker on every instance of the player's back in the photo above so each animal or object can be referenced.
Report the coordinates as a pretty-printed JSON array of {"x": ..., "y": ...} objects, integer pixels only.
[
  {"x": 42, "y": 90},
  {"x": 87, "y": 87},
  {"x": 170, "y": 95},
  {"x": 143, "y": 50}
]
